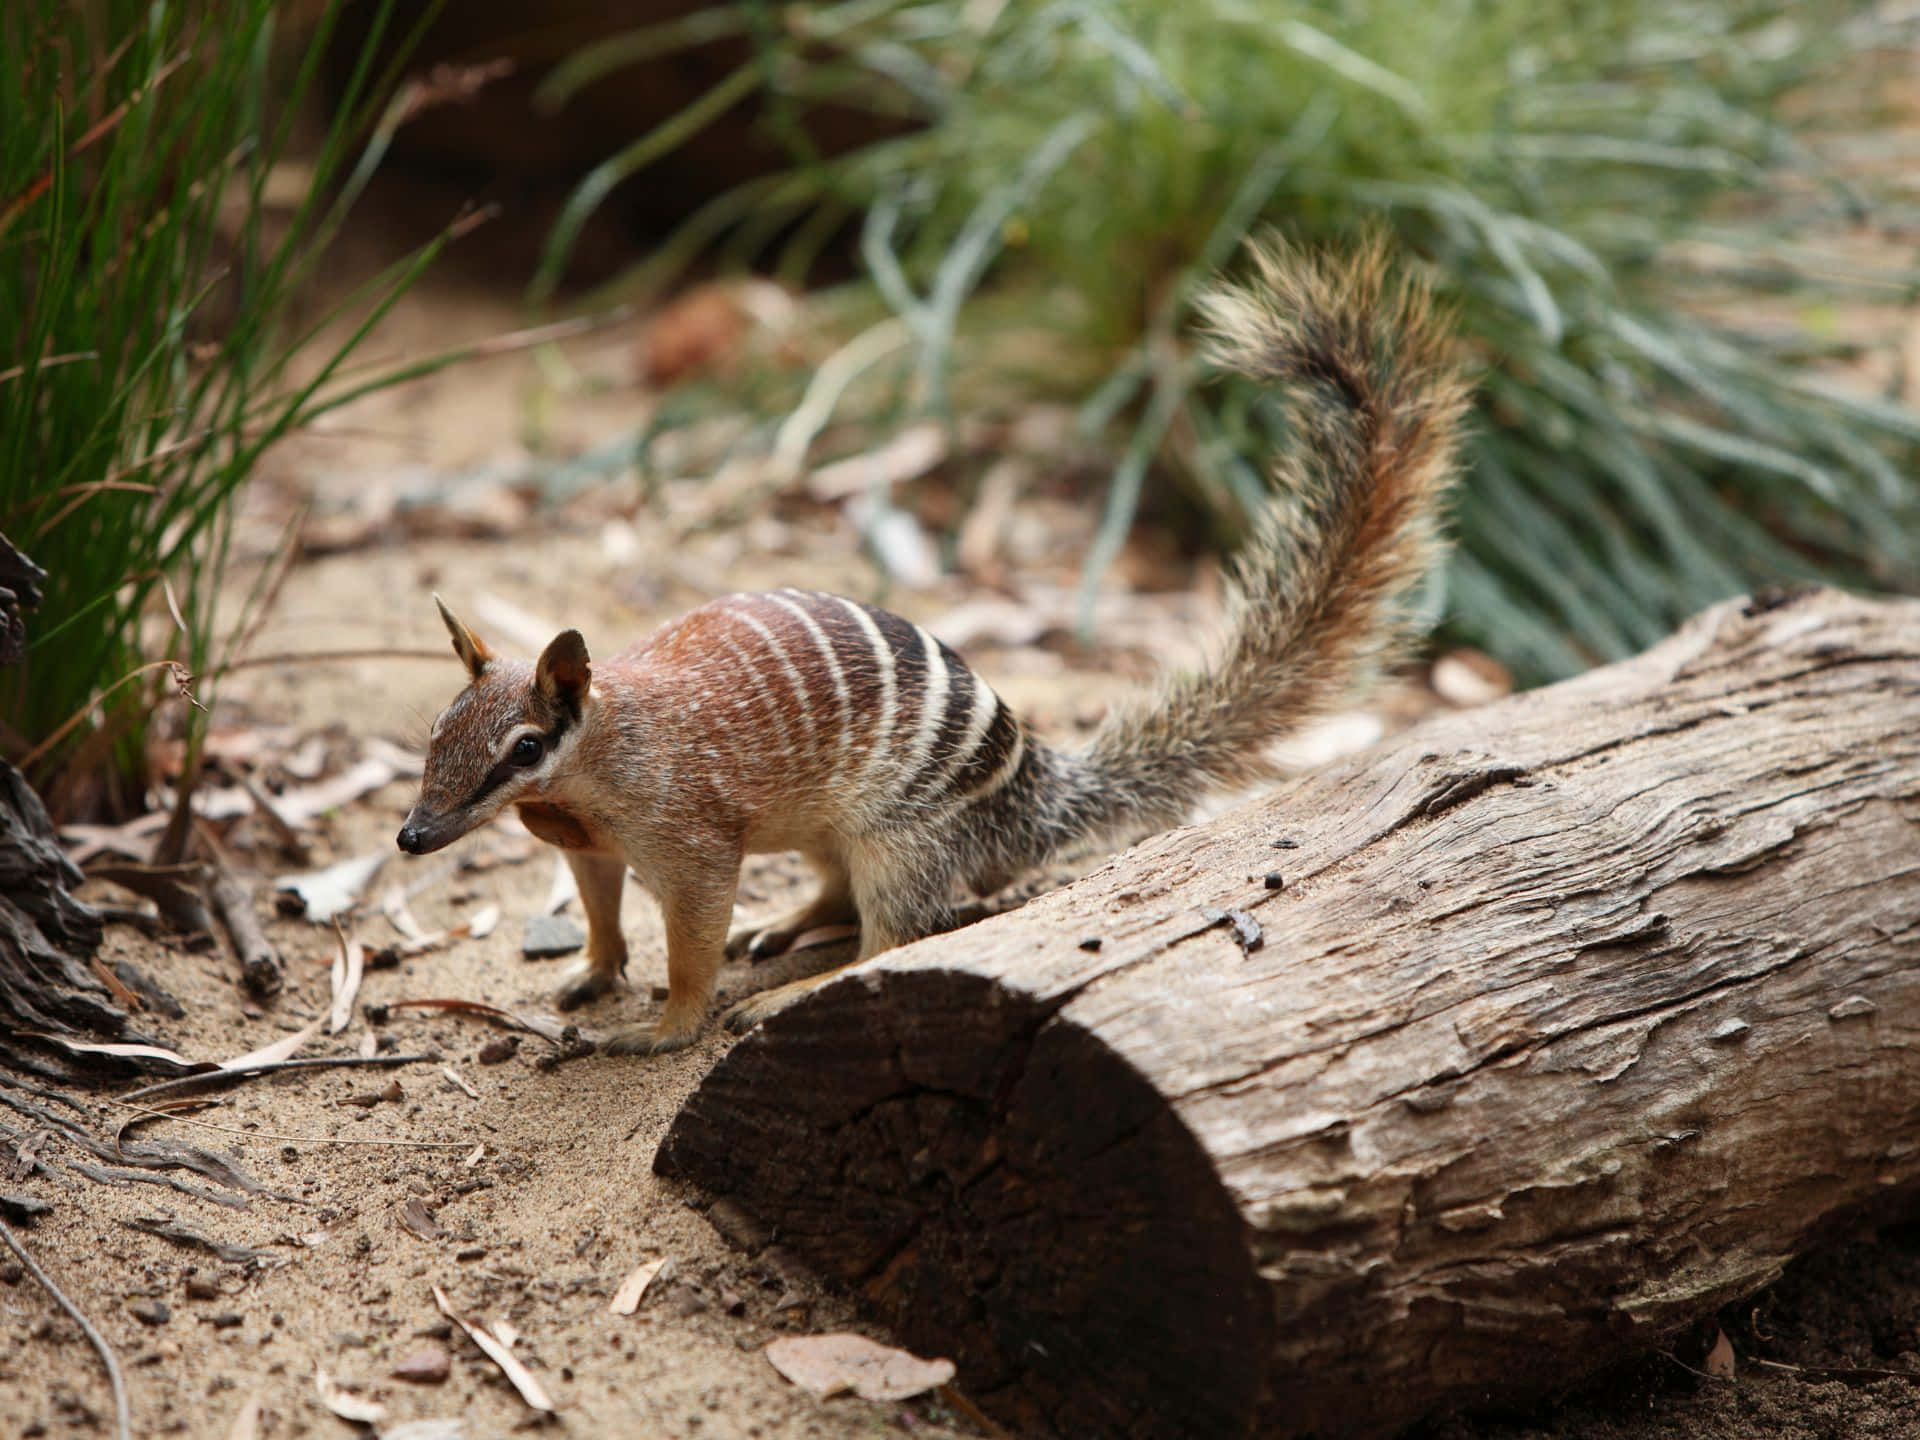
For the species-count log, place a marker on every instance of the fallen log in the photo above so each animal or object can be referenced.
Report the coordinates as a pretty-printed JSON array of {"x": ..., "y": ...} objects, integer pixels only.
[{"x": 1570, "y": 1020}]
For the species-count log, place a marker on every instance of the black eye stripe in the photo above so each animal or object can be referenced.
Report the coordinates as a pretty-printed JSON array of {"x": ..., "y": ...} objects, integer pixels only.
[{"x": 506, "y": 769}]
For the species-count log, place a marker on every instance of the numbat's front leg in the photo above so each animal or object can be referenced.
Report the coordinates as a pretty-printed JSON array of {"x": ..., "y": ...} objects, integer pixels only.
[
  {"x": 696, "y": 912},
  {"x": 601, "y": 879}
]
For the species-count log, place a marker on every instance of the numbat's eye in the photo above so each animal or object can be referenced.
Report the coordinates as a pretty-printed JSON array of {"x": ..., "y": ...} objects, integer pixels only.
[{"x": 527, "y": 751}]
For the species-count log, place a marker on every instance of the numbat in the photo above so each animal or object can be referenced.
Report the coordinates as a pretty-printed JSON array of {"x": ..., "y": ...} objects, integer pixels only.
[{"x": 800, "y": 721}]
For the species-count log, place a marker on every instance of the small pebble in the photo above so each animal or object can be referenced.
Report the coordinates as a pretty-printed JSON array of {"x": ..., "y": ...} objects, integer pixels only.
[
  {"x": 150, "y": 1312},
  {"x": 684, "y": 1303},
  {"x": 11, "y": 1274},
  {"x": 202, "y": 1287},
  {"x": 471, "y": 1252},
  {"x": 429, "y": 1365},
  {"x": 1091, "y": 943},
  {"x": 499, "y": 1050},
  {"x": 227, "y": 1320},
  {"x": 1273, "y": 880},
  {"x": 550, "y": 935},
  {"x": 1286, "y": 844}
]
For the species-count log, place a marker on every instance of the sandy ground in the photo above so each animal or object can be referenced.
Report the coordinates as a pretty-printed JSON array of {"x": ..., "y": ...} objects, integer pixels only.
[{"x": 521, "y": 1188}]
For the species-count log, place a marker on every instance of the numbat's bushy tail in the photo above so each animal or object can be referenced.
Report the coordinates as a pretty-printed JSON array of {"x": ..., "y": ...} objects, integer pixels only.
[
  {"x": 1319, "y": 600},
  {"x": 800, "y": 721}
]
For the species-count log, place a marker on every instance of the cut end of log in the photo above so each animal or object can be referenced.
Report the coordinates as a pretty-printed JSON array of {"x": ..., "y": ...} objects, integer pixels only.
[{"x": 1004, "y": 1189}]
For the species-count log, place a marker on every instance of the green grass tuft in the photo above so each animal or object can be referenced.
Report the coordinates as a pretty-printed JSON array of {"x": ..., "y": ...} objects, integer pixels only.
[{"x": 144, "y": 360}]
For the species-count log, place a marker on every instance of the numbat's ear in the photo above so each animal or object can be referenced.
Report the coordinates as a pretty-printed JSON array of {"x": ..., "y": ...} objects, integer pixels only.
[
  {"x": 564, "y": 673},
  {"x": 471, "y": 649}
]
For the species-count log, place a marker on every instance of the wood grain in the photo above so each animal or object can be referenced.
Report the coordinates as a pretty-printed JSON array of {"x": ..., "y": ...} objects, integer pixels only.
[{"x": 1576, "y": 1017}]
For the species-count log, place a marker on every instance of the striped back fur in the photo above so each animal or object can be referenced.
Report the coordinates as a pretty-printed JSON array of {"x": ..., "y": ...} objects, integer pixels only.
[{"x": 823, "y": 704}]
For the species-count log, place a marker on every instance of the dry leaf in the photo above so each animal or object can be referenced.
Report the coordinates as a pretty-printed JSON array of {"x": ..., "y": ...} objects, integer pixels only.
[
  {"x": 393, "y": 905},
  {"x": 246, "y": 1420},
  {"x": 627, "y": 1298},
  {"x": 907, "y": 456},
  {"x": 448, "y": 1427},
  {"x": 698, "y": 333},
  {"x": 429, "y": 1365},
  {"x": 547, "y": 1027},
  {"x": 898, "y": 541},
  {"x": 833, "y": 1364},
  {"x": 329, "y": 892},
  {"x": 417, "y": 1218},
  {"x": 821, "y": 935},
  {"x": 344, "y": 1403},
  {"x": 348, "y": 968},
  {"x": 281, "y": 1049},
  {"x": 114, "y": 1047},
  {"x": 530, "y": 1389},
  {"x": 1720, "y": 1361},
  {"x": 307, "y": 803},
  {"x": 134, "y": 839}
]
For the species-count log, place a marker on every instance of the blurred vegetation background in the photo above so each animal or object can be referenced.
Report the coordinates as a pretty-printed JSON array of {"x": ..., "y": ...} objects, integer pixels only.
[
  {"x": 1638, "y": 208},
  {"x": 147, "y": 352},
  {"x": 1657, "y": 221}
]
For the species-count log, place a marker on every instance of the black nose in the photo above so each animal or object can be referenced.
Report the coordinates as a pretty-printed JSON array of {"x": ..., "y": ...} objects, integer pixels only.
[{"x": 412, "y": 840}]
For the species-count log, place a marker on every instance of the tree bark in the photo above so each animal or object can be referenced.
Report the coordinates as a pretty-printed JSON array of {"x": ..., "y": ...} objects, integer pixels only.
[
  {"x": 1574, "y": 1018},
  {"x": 46, "y": 936}
]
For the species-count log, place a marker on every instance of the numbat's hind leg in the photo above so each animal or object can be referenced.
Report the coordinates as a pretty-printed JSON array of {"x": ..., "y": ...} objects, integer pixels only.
[
  {"x": 832, "y": 906},
  {"x": 900, "y": 890}
]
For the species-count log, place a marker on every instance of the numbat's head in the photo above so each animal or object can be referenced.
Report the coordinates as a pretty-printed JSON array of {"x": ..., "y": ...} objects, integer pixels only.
[{"x": 503, "y": 736}]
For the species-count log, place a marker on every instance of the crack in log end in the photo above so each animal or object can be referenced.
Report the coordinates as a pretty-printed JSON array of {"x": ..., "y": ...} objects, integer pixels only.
[{"x": 1011, "y": 1194}]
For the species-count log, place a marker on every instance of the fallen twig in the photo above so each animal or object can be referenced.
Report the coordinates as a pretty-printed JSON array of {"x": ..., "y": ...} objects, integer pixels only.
[
  {"x": 546, "y": 1027},
  {"x": 261, "y": 970},
  {"x": 224, "y": 1079},
  {"x": 174, "y": 888},
  {"x": 122, "y": 1419},
  {"x": 178, "y": 1234},
  {"x": 1843, "y": 1373},
  {"x": 116, "y": 1175},
  {"x": 143, "y": 1113}
]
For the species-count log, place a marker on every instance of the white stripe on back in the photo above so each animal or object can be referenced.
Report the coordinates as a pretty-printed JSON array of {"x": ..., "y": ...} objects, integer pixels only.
[
  {"x": 933, "y": 703},
  {"x": 803, "y": 700},
  {"x": 877, "y": 748},
  {"x": 821, "y": 639},
  {"x": 752, "y": 672}
]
